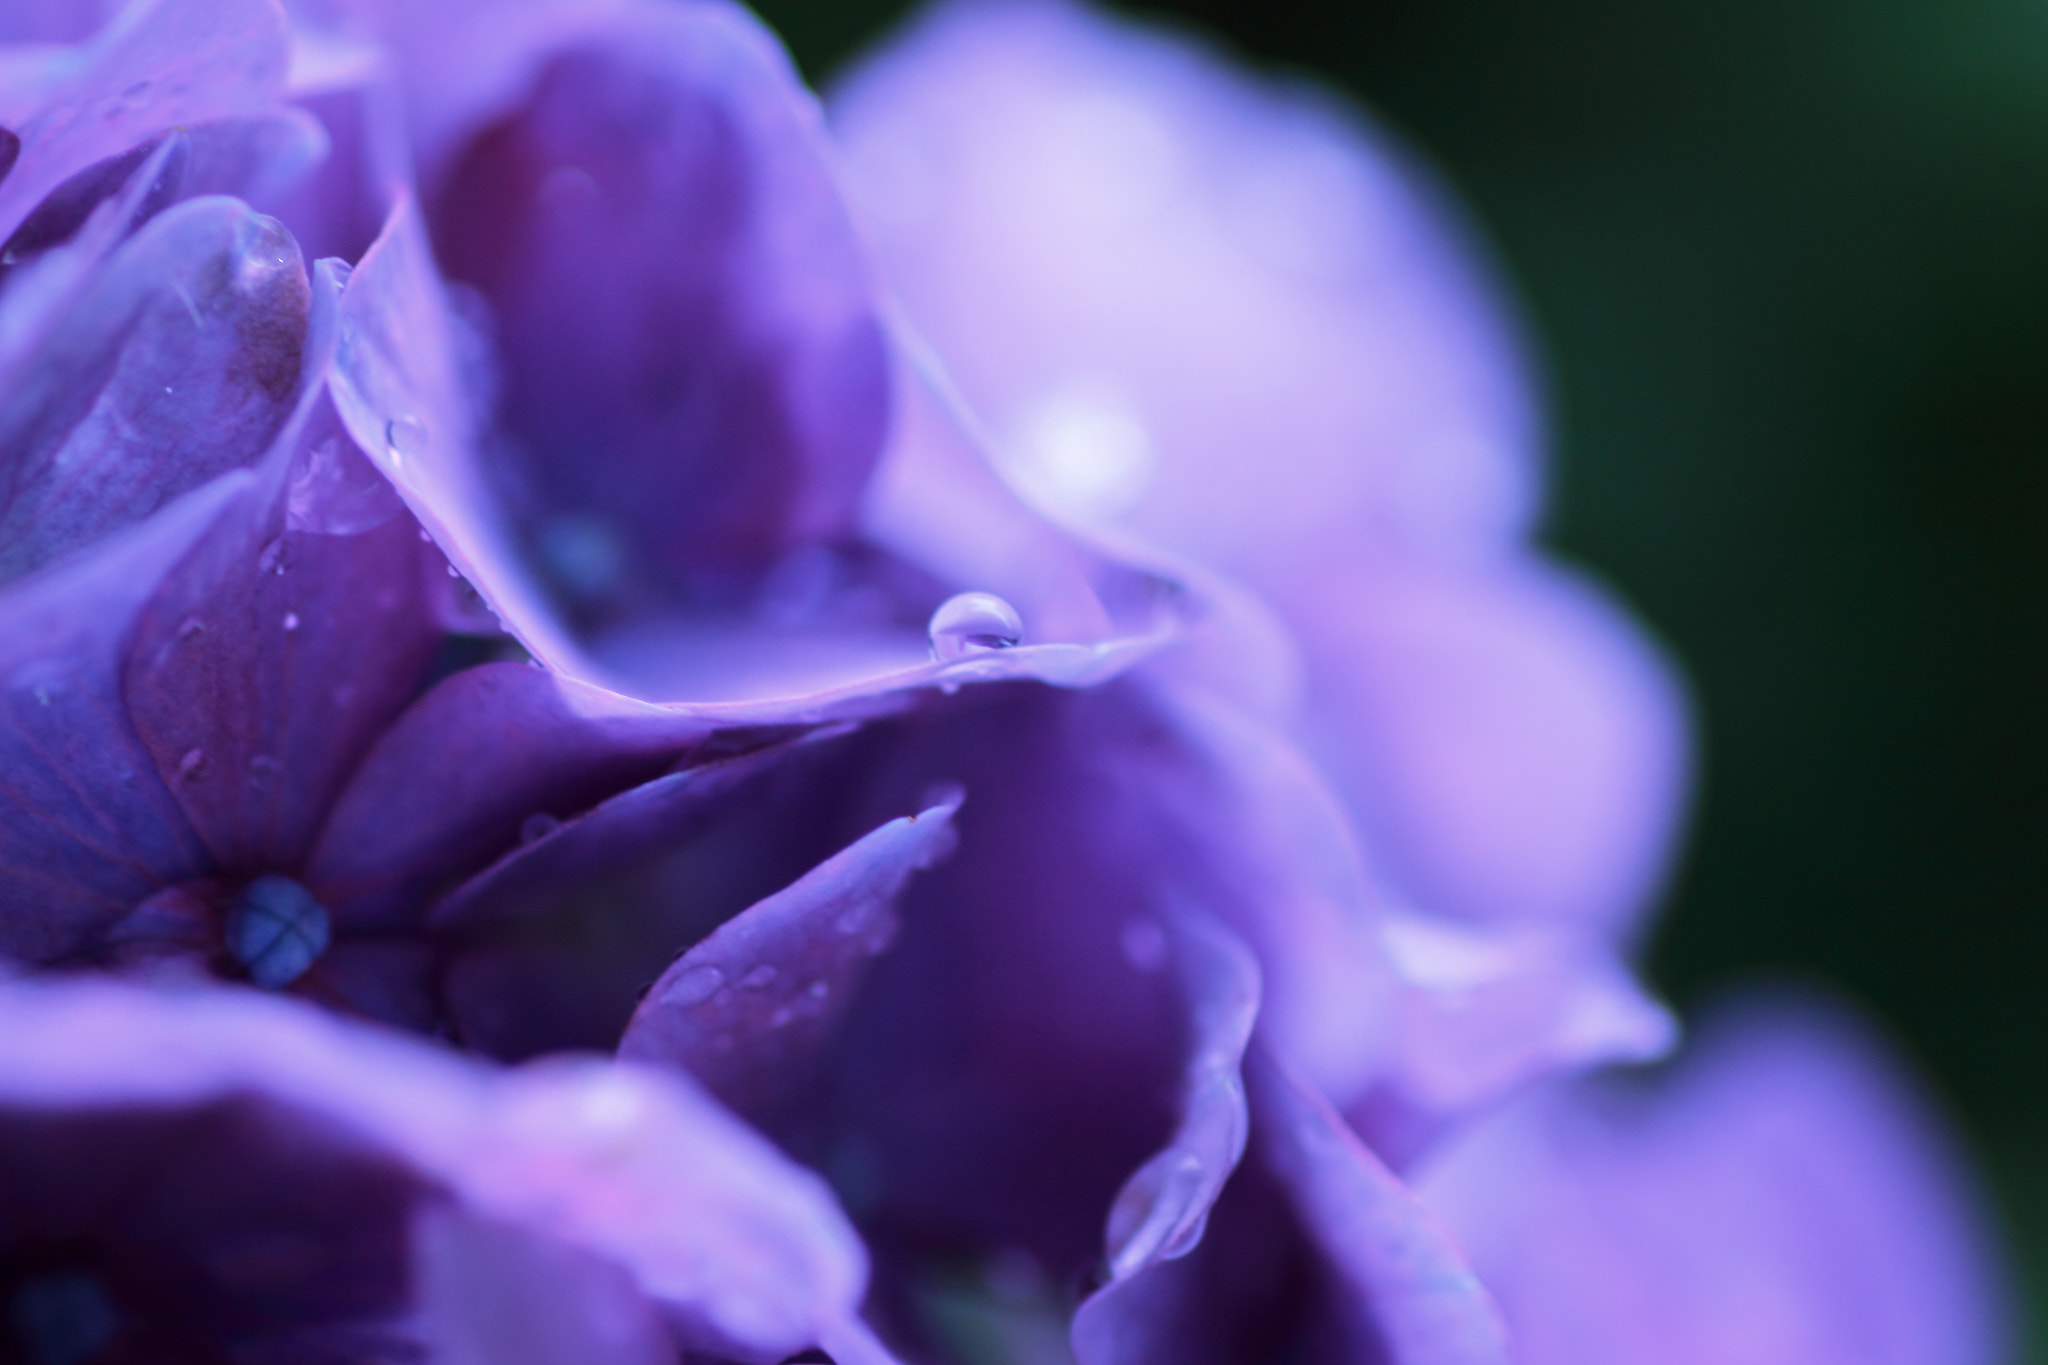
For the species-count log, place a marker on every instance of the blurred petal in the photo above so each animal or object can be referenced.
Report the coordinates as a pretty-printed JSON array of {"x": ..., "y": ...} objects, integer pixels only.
[
  {"x": 1516, "y": 749},
  {"x": 495, "y": 1294},
  {"x": 1158, "y": 277},
  {"x": 181, "y": 360},
  {"x": 1483, "y": 1013},
  {"x": 285, "y": 643},
  {"x": 1228, "y": 318},
  {"x": 743, "y": 1251},
  {"x": 160, "y": 64},
  {"x": 87, "y": 828},
  {"x": 1780, "y": 1199}
]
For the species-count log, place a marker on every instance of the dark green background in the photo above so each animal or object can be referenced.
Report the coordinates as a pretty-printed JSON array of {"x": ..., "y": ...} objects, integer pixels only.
[{"x": 1789, "y": 262}]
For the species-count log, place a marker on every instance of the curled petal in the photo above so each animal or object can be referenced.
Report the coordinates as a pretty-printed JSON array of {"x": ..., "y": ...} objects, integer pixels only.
[
  {"x": 1780, "y": 1197},
  {"x": 749, "y": 1010},
  {"x": 1161, "y": 1210}
]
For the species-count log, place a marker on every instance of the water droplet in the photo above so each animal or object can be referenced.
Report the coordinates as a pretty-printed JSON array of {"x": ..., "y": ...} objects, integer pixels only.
[
  {"x": 973, "y": 623},
  {"x": 781, "y": 1017},
  {"x": 853, "y": 919},
  {"x": 190, "y": 627},
  {"x": 276, "y": 930},
  {"x": 273, "y": 557},
  {"x": 291, "y": 620},
  {"x": 693, "y": 986},
  {"x": 194, "y": 766},
  {"x": 426, "y": 537},
  {"x": 759, "y": 977},
  {"x": 818, "y": 990},
  {"x": 537, "y": 827},
  {"x": 405, "y": 435},
  {"x": 453, "y": 572}
]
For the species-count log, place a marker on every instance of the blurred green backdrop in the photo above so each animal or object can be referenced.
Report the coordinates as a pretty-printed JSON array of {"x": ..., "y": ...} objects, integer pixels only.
[{"x": 1789, "y": 263}]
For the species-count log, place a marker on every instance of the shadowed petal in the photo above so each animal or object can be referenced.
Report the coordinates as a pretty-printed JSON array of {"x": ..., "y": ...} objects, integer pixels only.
[
  {"x": 286, "y": 642},
  {"x": 87, "y": 828},
  {"x": 745, "y": 1253},
  {"x": 554, "y": 945},
  {"x": 447, "y": 786},
  {"x": 160, "y": 64},
  {"x": 1397, "y": 1280},
  {"x": 694, "y": 377},
  {"x": 181, "y": 359},
  {"x": 1780, "y": 1197},
  {"x": 750, "y": 1009}
]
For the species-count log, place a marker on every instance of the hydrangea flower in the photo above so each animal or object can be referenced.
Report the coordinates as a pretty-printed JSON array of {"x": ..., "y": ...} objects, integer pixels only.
[{"x": 579, "y": 614}]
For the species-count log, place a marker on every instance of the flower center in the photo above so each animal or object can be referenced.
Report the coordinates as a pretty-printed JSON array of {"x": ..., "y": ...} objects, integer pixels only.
[
  {"x": 61, "y": 1317},
  {"x": 276, "y": 930}
]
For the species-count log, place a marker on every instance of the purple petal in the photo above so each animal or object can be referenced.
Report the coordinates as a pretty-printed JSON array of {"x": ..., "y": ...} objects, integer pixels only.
[
  {"x": 1516, "y": 750},
  {"x": 180, "y": 361},
  {"x": 1158, "y": 277},
  {"x": 1397, "y": 1280},
  {"x": 554, "y": 945},
  {"x": 1781, "y": 1198},
  {"x": 495, "y": 1294},
  {"x": 161, "y": 64},
  {"x": 87, "y": 829},
  {"x": 284, "y": 644},
  {"x": 448, "y": 785},
  {"x": 1162, "y": 1209},
  {"x": 1227, "y": 317},
  {"x": 856, "y": 501},
  {"x": 1483, "y": 1013},
  {"x": 677, "y": 291},
  {"x": 750, "y": 1010},
  {"x": 745, "y": 1253}
]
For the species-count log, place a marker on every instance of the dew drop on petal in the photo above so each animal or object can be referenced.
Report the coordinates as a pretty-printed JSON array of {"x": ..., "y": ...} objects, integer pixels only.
[
  {"x": 759, "y": 977},
  {"x": 405, "y": 435},
  {"x": 972, "y": 623},
  {"x": 537, "y": 827},
  {"x": 291, "y": 620},
  {"x": 276, "y": 930},
  {"x": 694, "y": 985},
  {"x": 190, "y": 627},
  {"x": 818, "y": 990},
  {"x": 194, "y": 766}
]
